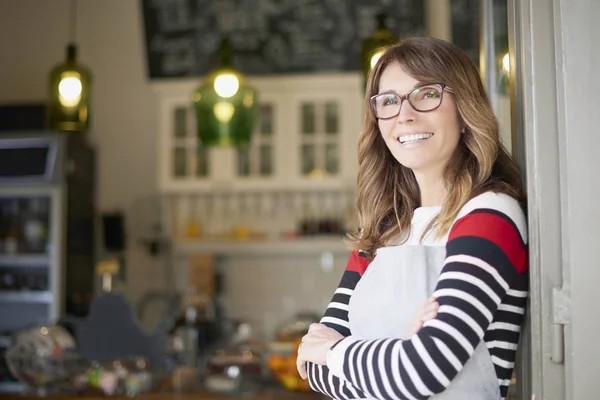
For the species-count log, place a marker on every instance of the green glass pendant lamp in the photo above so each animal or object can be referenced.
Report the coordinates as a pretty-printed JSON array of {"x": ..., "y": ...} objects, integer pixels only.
[
  {"x": 374, "y": 45},
  {"x": 69, "y": 89},
  {"x": 225, "y": 104}
]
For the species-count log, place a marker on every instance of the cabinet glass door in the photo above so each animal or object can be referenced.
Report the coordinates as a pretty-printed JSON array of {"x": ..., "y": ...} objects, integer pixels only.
[{"x": 25, "y": 261}]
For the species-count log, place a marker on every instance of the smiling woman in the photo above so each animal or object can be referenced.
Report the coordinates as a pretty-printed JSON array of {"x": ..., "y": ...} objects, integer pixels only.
[{"x": 433, "y": 298}]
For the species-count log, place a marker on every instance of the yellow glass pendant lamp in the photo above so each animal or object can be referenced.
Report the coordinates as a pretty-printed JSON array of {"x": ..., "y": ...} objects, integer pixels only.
[
  {"x": 69, "y": 88},
  {"x": 69, "y": 95}
]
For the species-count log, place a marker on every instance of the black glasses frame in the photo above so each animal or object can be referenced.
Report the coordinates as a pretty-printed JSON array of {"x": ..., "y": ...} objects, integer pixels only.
[{"x": 406, "y": 97}]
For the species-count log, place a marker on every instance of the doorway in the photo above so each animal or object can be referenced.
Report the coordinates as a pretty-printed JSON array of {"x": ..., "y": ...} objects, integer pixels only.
[{"x": 549, "y": 84}]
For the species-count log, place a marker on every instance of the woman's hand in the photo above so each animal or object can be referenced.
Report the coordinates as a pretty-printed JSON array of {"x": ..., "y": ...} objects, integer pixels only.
[
  {"x": 315, "y": 345},
  {"x": 319, "y": 339},
  {"x": 426, "y": 312}
]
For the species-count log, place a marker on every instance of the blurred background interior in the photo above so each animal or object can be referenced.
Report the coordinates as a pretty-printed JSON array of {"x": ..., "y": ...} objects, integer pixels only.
[{"x": 176, "y": 178}]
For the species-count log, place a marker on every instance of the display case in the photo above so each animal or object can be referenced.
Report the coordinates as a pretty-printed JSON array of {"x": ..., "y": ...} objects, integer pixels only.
[{"x": 46, "y": 232}]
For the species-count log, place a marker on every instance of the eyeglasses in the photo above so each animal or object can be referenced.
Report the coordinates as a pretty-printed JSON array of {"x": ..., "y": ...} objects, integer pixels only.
[{"x": 423, "y": 98}]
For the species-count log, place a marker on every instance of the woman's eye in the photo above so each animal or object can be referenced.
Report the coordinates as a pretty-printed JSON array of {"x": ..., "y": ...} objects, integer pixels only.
[
  {"x": 431, "y": 94},
  {"x": 390, "y": 100}
]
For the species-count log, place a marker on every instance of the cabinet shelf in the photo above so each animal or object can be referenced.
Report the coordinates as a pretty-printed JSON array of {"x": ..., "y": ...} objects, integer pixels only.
[
  {"x": 24, "y": 260},
  {"x": 305, "y": 245},
  {"x": 26, "y": 297}
]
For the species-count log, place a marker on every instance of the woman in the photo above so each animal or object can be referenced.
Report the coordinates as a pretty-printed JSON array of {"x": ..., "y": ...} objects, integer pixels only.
[{"x": 440, "y": 206}]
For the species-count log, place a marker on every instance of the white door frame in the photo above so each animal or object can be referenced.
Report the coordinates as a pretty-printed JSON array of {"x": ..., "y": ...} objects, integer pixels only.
[{"x": 555, "y": 85}]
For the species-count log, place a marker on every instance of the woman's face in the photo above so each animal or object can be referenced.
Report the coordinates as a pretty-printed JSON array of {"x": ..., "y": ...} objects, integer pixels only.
[{"x": 437, "y": 132}]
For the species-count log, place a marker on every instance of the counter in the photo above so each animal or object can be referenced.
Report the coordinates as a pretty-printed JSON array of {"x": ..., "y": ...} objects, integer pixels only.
[{"x": 270, "y": 394}]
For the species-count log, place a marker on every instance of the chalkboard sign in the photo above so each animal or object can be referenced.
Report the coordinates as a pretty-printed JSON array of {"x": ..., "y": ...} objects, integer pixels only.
[
  {"x": 268, "y": 36},
  {"x": 465, "y": 25}
]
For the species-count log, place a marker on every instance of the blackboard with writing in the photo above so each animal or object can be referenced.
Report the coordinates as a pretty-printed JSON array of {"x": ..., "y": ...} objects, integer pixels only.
[{"x": 268, "y": 36}]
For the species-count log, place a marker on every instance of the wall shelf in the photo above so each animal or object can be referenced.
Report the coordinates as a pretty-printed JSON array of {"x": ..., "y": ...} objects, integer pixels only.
[{"x": 305, "y": 245}]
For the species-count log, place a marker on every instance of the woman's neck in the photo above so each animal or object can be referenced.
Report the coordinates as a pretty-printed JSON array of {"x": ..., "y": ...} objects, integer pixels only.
[{"x": 433, "y": 190}]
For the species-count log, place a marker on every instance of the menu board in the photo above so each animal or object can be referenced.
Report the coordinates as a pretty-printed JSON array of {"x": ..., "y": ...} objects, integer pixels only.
[{"x": 268, "y": 36}]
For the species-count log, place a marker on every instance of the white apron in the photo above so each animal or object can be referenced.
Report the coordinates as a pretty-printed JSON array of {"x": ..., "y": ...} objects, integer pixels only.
[{"x": 395, "y": 285}]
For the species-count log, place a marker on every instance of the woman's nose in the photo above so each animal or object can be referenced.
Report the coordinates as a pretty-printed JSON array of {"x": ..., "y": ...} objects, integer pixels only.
[{"x": 407, "y": 112}]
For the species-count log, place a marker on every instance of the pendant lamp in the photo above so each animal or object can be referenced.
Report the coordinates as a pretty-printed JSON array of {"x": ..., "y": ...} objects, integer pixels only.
[
  {"x": 374, "y": 45},
  {"x": 69, "y": 89},
  {"x": 225, "y": 104}
]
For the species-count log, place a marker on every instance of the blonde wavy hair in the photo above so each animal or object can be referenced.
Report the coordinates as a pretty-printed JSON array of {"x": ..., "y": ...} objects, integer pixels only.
[{"x": 387, "y": 192}]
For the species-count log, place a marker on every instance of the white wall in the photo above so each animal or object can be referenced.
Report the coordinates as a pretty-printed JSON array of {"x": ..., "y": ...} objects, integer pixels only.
[{"x": 33, "y": 37}]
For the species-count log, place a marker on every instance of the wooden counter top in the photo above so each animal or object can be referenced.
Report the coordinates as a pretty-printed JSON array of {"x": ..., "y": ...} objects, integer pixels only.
[{"x": 269, "y": 394}]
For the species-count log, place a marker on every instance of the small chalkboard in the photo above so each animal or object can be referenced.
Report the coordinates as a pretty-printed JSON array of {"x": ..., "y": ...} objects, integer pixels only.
[{"x": 268, "y": 36}]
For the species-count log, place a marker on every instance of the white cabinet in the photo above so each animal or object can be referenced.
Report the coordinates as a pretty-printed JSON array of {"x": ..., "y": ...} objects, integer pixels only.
[{"x": 305, "y": 137}]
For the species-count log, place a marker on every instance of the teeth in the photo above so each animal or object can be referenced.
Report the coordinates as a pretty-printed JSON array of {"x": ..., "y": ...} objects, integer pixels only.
[{"x": 412, "y": 138}]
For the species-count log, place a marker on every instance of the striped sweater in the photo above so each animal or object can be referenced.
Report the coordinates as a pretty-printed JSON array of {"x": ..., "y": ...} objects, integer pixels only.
[{"x": 482, "y": 293}]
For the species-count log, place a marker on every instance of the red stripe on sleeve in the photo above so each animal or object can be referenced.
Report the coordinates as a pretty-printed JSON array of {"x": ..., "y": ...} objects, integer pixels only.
[
  {"x": 497, "y": 230},
  {"x": 357, "y": 263}
]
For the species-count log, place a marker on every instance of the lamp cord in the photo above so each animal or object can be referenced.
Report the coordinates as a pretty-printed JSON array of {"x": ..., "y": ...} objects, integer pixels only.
[{"x": 73, "y": 22}]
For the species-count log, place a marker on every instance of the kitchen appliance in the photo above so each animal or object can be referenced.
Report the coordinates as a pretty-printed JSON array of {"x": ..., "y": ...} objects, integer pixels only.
[{"x": 47, "y": 182}]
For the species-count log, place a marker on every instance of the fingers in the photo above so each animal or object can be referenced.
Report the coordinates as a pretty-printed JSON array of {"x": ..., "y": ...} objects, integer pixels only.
[
  {"x": 415, "y": 328},
  {"x": 301, "y": 364},
  {"x": 430, "y": 308},
  {"x": 431, "y": 303},
  {"x": 428, "y": 312}
]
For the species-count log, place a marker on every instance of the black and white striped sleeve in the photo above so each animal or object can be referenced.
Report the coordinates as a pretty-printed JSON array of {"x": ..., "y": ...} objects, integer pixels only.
[
  {"x": 485, "y": 252},
  {"x": 336, "y": 317}
]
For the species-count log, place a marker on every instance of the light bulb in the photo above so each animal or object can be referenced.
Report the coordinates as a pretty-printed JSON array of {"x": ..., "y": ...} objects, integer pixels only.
[
  {"x": 506, "y": 63},
  {"x": 226, "y": 85},
  {"x": 375, "y": 58},
  {"x": 223, "y": 111},
  {"x": 69, "y": 90}
]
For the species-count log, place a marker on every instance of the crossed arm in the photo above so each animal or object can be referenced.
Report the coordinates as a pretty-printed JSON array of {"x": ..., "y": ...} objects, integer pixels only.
[{"x": 484, "y": 254}]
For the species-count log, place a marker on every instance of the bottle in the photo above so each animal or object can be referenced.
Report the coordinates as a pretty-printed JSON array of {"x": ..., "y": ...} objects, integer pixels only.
[
  {"x": 193, "y": 229},
  {"x": 35, "y": 228},
  {"x": 106, "y": 272},
  {"x": 13, "y": 243},
  {"x": 310, "y": 223},
  {"x": 193, "y": 326}
]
